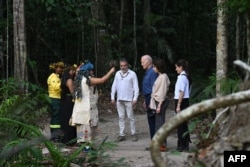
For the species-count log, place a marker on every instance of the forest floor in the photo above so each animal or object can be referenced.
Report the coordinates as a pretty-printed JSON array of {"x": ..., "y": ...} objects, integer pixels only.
[{"x": 134, "y": 153}]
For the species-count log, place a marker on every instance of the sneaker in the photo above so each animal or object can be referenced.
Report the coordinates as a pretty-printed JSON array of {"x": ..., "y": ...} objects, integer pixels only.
[
  {"x": 134, "y": 137},
  {"x": 86, "y": 149},
  {"x": 120, "y": 138},
  {"x": 162, "y": 149}
]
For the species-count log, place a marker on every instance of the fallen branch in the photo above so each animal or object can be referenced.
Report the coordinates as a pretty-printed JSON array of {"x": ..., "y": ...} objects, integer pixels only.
[
  {"x": 187, "y": 114},
  {"x": 243, "y": 65},
  {"x": 217, "y": 117}
]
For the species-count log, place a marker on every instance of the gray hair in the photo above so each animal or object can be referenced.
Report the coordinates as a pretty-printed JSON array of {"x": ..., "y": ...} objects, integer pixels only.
[{"x": 149, "y": 58}]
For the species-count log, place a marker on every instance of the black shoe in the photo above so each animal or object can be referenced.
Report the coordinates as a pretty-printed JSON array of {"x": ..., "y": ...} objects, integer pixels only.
[
  {"x": 179, "y": 148},
  {"x": 186, "y": 146},
  {"x": 147, "y": 149},
  {"x": 56, "y": 140},
  {"x": 120, "y": 138},
  {"x": 185, "y": 149}
]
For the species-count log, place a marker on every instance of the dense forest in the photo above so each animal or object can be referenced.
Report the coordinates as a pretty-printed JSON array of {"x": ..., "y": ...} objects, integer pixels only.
[
  {"x": 73, "y": 31},
  {"x": 33, "y": 34}
]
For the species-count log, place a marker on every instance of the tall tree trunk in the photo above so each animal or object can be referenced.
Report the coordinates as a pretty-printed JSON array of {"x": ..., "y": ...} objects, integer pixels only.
[
  {"x": 147, "y": 11},
  {"x": 20, "y": 49},
  {"x": 101, "y": 47},
  {"x": 248, "y": 41},
  {"x": 248, "y": 36},
  {"x": 1, "y": 57},
  {"x": 3, "y": 42},
  {"x": 135, "y": 45},
  {"x": 237, "y": 37},
  {"x": 222, "y": 45},
  {"x": 79, "y": 57},
  {"x": 121, "y": 25},
  {"x": 1, "y": 45}
]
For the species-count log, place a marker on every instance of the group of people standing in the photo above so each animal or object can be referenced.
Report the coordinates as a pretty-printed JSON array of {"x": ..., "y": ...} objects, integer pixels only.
[
  {"x": 155, "y": 86},
  {"x": 73, "y": 94},
  {"x": 74, "y": 97}
]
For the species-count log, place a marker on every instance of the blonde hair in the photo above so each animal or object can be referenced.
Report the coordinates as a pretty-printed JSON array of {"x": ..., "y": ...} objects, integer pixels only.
[{"x": 71, "y": 67}]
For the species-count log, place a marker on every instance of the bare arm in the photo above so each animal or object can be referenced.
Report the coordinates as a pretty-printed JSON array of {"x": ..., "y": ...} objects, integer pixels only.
[
  {"x": 98, "y": 81},
  {"x": 178, "y": 108},
  {"x": 113, "y": 89}
]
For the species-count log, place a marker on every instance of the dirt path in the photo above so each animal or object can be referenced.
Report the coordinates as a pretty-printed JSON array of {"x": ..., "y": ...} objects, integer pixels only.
[{"x": 134, "y": 152}]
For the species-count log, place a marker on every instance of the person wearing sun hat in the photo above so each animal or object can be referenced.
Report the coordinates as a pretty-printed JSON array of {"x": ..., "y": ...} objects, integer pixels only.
[{"x": 54, "y": 91}]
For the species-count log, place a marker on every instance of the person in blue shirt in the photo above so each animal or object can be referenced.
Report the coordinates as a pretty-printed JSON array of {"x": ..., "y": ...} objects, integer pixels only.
[{"x": 147, "y": 85}]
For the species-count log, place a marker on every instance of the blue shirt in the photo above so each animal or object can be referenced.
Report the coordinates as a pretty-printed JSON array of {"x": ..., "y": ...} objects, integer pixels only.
[{"x": 148, "y": 81}]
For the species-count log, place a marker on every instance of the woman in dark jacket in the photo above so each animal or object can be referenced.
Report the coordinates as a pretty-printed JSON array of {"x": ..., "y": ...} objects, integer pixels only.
[{"x": 67, "y": 86}]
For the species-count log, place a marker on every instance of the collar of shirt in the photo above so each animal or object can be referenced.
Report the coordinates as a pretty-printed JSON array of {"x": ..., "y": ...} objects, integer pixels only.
[
  {"x": 183, "y": 72},
  {"x": 123, "y": 75}
]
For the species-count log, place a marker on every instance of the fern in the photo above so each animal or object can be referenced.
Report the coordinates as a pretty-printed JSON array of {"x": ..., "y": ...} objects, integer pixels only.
[{"x": 18, "y": 146}]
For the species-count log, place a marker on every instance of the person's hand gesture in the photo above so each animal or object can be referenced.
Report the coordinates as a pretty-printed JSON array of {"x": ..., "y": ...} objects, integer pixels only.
[{"x": 113, "y": 102}]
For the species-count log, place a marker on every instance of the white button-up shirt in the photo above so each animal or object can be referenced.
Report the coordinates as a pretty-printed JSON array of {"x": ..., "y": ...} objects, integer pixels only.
[
  {"x": 125, "y": 86},
  {"x": 182, "y": 84}
]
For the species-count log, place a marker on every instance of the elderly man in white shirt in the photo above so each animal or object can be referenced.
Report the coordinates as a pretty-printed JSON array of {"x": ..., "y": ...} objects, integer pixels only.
[{"x": 125, "y": 87}]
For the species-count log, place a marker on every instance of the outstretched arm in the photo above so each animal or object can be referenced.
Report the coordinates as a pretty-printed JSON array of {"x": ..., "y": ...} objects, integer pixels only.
[{"x": 97, "y": 81}]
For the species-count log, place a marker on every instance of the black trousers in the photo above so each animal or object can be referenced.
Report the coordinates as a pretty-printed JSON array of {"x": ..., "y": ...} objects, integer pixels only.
[
  {"x": 160, "y": 117},
  {"x": 182, "y": 130},
  {"x": 150, "y": 116},
  {"x": 55, "y": 121}
]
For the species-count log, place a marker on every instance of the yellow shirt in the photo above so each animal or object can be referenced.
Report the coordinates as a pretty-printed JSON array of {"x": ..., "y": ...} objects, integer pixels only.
[{"x": 54, "y": 84}]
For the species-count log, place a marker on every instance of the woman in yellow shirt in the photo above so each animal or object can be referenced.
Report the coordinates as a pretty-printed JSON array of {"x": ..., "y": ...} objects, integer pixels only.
[{"x": 54, "y": 90}]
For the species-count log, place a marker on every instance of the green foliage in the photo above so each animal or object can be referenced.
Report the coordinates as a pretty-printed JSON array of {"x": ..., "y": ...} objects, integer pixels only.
[
  {"x": 230, "y": 85},
  {"x": 21, "y": 152},
  {"x": 203, "y": 89},
  {"x": 97, "y": 155},
  {"x": 8, "y": 87},
  {"x": 28, "y": 152},
  {"x": 239, "y": 5},
  {"x": 29, "y": 108},
  {"x": 165, "y": 49},
  {"x": 18, "y": 152},
  {"x": 21, "y": 138},
  {"x": 199, "y": 164},
  {"x": 11, "y": 149},
  {"x": 26, "y": 108}
]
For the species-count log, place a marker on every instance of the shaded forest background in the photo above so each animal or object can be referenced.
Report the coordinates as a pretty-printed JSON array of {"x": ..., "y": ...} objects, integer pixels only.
[
  {"x": 209, "y": 34},
  {"x": 76, "y": 30}
]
